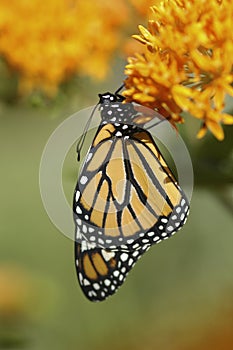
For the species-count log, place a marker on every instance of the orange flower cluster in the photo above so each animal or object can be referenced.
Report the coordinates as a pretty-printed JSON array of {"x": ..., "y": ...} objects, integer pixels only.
[
  {"x": 47, "y": 42},
  {"x": 187, "y": 64}
]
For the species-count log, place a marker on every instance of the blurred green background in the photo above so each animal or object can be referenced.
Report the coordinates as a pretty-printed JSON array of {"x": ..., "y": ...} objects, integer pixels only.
[{"x": 179, "y": 296}]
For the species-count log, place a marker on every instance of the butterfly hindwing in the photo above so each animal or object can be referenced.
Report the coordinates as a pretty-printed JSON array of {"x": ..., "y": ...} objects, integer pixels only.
[{"x": 101, "y": 272}]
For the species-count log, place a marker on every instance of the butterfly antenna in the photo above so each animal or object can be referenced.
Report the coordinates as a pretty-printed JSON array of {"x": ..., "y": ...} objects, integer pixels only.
[
  {"x": 82, "y": 138},
  {"x": 120, "y": 88}
]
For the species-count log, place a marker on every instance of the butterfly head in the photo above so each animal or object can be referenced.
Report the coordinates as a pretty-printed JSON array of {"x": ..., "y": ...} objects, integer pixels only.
[{"x": 108, "y": 98}]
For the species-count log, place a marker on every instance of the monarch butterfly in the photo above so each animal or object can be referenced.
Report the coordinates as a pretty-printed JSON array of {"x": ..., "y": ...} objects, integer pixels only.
[{"x": 126, "y": 199}]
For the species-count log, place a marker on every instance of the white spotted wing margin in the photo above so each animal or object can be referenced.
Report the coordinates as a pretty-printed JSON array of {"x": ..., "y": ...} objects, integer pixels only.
[{"x": 100, "y": 271}]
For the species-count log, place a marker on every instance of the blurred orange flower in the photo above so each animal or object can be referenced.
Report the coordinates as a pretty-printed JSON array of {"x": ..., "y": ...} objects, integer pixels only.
[
  {"x": 15, "y": 289},
  {"x": 142, "y": 6},
  {"x": 47, "y": 42},
  {"x": 187, "y": 62}
]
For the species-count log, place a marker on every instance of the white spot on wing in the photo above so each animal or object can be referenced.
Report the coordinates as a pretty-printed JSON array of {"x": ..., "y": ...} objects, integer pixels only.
[
  {"x": 87, "y": 246},
  {"x": 91, "y": 293},
  {"x": 118, "y": 134},
  {"x": 100, "y": 241},
  {"x": 182, "y": 202},
  {"x": 89, "y": 157},
  {"x": 80, "y": 277},
  {"x": 136, "y": 245},
  {"x": 121, "y": 277},
  {"x": 79, "y": 222},
  {"x": 83, "y": 180},
  {"x": 78, "y": 210},
  {"x": 96, "y": 286},
  {"x": 77, "y": 196},
  {"x": 164, "y": 220},
  {"x": 150, "y": 234},
  {"x": 130, "y": 262},
  {"x": 124, "y": 257},
  {"x": 107, "y": 255},
  {"x": 182, "y": 216},
  {"x": 78, "y": 233},
  {"x": 107, "y": 282},
  {"x": 86, "y": 282}
]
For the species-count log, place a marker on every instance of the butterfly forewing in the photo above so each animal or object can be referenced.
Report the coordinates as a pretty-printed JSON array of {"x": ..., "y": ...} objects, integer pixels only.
[{"x": 125, "y": 189}]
